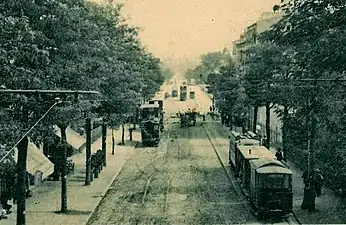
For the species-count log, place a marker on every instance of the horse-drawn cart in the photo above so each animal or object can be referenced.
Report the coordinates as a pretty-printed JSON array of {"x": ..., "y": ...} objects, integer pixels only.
[{"x": 188, "y": 119}]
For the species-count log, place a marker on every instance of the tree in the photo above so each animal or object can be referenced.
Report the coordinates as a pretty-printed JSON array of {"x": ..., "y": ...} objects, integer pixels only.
[
  {"x": 209, "y": 63},
  {"x": 318, "y": 53},
  {"x": 231, "y": 97}
]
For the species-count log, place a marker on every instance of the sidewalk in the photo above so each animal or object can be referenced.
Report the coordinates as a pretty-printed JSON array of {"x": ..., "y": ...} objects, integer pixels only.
[
  {"x": 42, "y": 207},
  {"x": 330, "y": 207}
]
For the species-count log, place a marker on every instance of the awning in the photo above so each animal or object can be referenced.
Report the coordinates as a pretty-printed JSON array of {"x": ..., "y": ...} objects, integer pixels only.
[
  {"x": 72, "y": 137},
  {"x": 37, "y": 161}
]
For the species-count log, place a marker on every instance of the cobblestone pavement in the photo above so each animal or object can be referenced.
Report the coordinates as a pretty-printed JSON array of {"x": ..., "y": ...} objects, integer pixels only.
[
  {"x": 42, "y": 207},
  {"x": 330, "y": 207}
]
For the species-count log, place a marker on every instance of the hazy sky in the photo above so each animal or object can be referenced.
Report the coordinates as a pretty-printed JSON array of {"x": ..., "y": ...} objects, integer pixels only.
[{"x": 182, "y": 30}]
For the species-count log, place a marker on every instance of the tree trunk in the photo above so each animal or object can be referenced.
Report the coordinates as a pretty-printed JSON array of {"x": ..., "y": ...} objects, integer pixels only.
[
  {"x": 63, "y": 169},
  {"x": 21, "y": 180},
  {"x": 104, "y": 142},
  {"x": 122, "y": 134},
  {"x": 88, "y": 151},
  {"x": 268, "y": 125},
  {"x": 285, "y": 133},
  {"x": 255, "y": 112}
]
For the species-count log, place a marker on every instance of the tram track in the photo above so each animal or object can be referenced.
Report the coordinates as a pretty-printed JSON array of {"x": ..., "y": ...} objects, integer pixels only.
[{"x": 157, "y": 163}]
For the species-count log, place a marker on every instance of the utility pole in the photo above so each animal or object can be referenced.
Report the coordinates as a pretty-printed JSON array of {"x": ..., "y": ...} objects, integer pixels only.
[
  {"x": 268, "y": 118},
  {"x": 113, "y": 141},
  {"x": 309, "y": 188},
  {"x": 88, "y": 151},
  {"x": 63, "y": 167},
  {"x": 104, "y": 139},
  {"x": 21, "y": 179}
]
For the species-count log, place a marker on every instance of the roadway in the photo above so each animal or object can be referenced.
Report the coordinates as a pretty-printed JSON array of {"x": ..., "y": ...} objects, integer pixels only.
[{"x": 185, "y": 180}]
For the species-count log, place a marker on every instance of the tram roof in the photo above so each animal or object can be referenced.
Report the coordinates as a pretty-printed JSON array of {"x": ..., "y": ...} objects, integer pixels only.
[
  {"x": 248, "y": 142},
  {"x": 274, "y": 170},
  {"x": 147, "y": 105},
  {"x": 269, "y": 166},
  {"x": 256, "y": 152}
]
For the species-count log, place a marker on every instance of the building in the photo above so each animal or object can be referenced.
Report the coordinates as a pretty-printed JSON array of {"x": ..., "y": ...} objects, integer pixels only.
[
  {"x": 238, "y": 49},
  {"x": 250, "y": 35}
]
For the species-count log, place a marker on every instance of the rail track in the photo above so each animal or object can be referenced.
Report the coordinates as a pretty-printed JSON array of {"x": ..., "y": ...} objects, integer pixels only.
[{"x": 156, "y": 162}]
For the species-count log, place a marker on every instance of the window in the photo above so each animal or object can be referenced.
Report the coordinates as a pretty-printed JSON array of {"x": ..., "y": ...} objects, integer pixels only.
[{"x": 275, "y": 181}]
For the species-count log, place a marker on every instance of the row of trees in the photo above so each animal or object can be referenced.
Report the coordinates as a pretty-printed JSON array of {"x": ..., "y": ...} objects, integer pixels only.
[
  {"x": 74, "y": 45},
  {"x": 209, "y": 62},
  {"x": 296, "y": 68}
]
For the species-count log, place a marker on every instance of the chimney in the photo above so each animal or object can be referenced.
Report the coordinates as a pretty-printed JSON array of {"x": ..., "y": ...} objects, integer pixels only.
[{"x": 250, "y": 151}]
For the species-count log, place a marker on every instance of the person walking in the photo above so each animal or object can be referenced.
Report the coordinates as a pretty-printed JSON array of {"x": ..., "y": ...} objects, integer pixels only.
[
  {"x": 318, "y": 182},
  {"x": 279, "y": 155}
]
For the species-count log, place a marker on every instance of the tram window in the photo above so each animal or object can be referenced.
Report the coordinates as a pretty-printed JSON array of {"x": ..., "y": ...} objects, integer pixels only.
[{"x": 275, "y": 181}]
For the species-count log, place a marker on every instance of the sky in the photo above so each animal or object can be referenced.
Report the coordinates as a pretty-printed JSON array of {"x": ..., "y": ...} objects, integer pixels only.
[{"x": 179, "y": 31}]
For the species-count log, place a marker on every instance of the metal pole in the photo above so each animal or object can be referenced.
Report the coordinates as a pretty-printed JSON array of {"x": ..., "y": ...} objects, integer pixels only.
[
  {"x": 113, "y": 141},
  {"x": 21, "y": 179},
  {"x": 63, "y": 169},
  {"x": 88, "y": 151},
  {"x": 104, "y": 139}
]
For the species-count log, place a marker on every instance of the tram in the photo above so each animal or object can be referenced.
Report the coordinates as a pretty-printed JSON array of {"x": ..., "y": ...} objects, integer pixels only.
[
  {"x": 160, "y": 102},
  {"x": 192, "y": 95},
  {"x": 150, "y": 124},
  {"x": 266, "y": 181},
  {"x": 183, "y": 92}
]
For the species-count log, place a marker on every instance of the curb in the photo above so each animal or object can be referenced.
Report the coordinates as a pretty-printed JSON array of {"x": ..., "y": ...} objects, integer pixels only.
[{"x": 108, "y": 186}]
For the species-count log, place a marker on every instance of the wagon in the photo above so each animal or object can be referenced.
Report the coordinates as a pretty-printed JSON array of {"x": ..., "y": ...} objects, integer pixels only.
[
  {"x": 188, "y": 119},
  {"x": 270, "y": 188}
]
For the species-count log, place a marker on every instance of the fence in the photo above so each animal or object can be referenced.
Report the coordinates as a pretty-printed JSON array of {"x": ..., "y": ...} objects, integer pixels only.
[{"x": 275, "y": 135}]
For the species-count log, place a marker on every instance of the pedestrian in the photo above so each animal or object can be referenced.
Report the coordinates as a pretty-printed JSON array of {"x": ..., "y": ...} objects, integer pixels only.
[
  {"x": 306, "y": 177},
  {"x": 318, "y": 182},
  {"x": 27, "y": 185},
  {"x": 211, "y": 108},
  {"x": 2, "y": 212},
  {"x": 279, "y": 155}
]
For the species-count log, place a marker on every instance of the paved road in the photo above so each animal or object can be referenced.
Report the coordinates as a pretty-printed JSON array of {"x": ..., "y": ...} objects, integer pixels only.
[{"x": 179, "y": 182}]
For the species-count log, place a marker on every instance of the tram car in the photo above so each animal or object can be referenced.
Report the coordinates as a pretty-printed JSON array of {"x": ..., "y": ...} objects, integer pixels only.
[
  {"x": 270, "y": 188},
  {"x": 150, "y": 124},
  {"x": 192, "y": 95},
  {"x": 266, "y": 181},
  {"x": 174, "y": 93},
  {"x": 246, "y": 153},
  {"x": 237, "y": 139},
  {"x": 160, "y": 102},
  {"x": 183, "y": 92}
]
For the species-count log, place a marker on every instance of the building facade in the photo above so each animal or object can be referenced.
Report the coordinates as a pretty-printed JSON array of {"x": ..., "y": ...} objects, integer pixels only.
[{"x": 250, "y": 35}]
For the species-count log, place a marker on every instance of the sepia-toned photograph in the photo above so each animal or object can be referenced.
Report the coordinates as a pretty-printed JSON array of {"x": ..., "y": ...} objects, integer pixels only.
[{"x": 172, "y": 112}]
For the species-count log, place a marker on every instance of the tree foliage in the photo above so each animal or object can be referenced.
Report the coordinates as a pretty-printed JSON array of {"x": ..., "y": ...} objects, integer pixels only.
[
  {"x": 231, "y": 98},
  {"x": 70, "y": 45},
  {"x": 209, "y": 63},
  {"x": 308, "y": 42}
]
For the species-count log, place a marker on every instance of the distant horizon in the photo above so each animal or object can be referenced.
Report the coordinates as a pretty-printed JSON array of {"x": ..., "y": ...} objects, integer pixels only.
[{"x": 179, "y": 32}]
